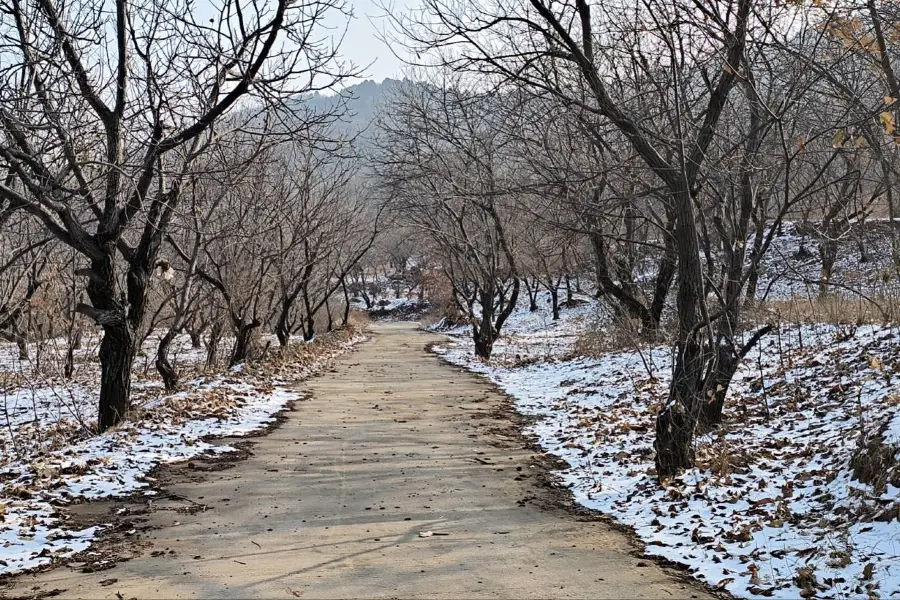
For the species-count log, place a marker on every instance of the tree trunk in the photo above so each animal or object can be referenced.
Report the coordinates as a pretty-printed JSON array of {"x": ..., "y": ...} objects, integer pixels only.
[
  {"x": 21, "y": 344},
  {"x": 674, "y": 441},
  {"x": 330, "y": 325},
  {"x": 118, "y": 347},
  {"x": 554, "y": 299},
  {"x": 663, "y": 283},
  {"x": 484, "y": 341},
  {"x": 212, "y": 346},
  {"x": 532, "y": 294},
  {"x": 243, "y": 341},
  {"x": 710, "y": 413},
  {"x": 606, "y": 286},
  {"x": 69, "y": 365},
  {"x": 196, "y": 338},
  {"x": 676, "y": 424},
  {"x": 755, "y": 251},
  {"x": 163, "y": 366},
  {"x": 863, "y": 251},
  {"x": 483, "y": 334},
  {"x": 828, "y": 250},
  {"x": 346, "y": 316},
  {"x": 283, "y": 326},
  {"x": 309, "y": 328},
  {"x": 309, "y": 321},
  {"x": 116, "y": 356}
]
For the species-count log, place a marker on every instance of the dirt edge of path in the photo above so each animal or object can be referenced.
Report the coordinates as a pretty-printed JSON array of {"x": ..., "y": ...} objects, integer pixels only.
[
  {"x": 123, "y": 516},
  {"x": 558, "y": 496}
]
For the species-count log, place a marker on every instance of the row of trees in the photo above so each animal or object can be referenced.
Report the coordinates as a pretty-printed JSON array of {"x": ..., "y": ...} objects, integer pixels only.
[
  {"x": 672, "y": 137},
  {"x": 160, "y": 168}
]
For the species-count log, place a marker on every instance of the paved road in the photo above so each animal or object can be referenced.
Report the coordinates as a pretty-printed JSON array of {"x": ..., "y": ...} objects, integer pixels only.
[{"x": 392, "y": 444}]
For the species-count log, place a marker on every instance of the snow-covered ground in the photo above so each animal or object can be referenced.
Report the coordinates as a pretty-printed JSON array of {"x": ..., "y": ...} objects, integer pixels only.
[
  {"x": 51, "y": 459},
  {"x": 407, "y": 307},
  {"x": 773, "y": 508},
  {"x": 788, "y": 273},
  {"x": 531, "y": 336},
  {"x": 385, "y": 292}
]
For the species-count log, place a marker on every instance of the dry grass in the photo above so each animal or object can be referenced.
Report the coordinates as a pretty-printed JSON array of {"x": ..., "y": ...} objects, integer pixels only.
[
  {"x": 623, "y": 333},
  {"x": 299, "y": 354},
  {"x": 440, "y": 297},
  {"x": 828, "y": 309}
]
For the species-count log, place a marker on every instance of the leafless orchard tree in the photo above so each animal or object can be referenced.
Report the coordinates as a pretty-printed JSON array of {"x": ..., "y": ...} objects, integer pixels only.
[
  {"x": 325, "y": 230},
  {"x": 569, "y": 48},
  {"x": 106, "y": 104},
  {"x": 690, "y": 129},
  {"x": 23, "y": 269},
  {"x": 441, "y": 166},
  {"x": 584, "y": 182}
]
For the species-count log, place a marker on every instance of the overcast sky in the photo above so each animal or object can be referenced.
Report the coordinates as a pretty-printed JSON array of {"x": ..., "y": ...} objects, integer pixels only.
[{"x": 361, "y": 44}]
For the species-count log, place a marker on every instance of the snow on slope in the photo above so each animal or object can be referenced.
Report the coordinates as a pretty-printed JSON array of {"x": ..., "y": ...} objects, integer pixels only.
[
  {"x": 772, "y": 509},
  {"x": 786, "y": 274},
  {"x": 528, "y": 335}
]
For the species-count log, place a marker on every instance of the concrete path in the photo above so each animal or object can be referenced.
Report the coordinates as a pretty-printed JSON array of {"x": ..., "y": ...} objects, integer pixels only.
[{"x": 392, "y": 445}]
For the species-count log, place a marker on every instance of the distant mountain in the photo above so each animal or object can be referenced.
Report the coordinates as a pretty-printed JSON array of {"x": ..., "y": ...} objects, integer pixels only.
[{"x": 361, "y": 100}]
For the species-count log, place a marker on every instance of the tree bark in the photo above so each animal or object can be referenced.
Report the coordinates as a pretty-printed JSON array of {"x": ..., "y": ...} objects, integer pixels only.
[
  {"x": 755, "y": 251},
  {"x": 117, "y": 349},
  {"x": 532, "y": 294},
  {"x": 484, "y": 340},
  {"x": 346, "y": 316},
  {"x": 605, "y": 285},
  {"x": 330, "y": 325},
  {"x": 283, "y": 326},
  {"x": 243, "y": 340},
  {"x": 484, "y": 332},
  {"x": 196, "y": 338},
  {"x": 163, "y": 366},
  {"x": 116, "y": 357},
  {"x": 21, "y": 343},
  {"x": 554, "y": 299},
  {"x": 673, "y": 443},
  {"x": 676, "y": 424},
  {"x": 212, "y": 345}
]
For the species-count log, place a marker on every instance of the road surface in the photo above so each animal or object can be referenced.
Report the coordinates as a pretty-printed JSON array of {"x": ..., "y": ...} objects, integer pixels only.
[{"x": 398, "y": 477}]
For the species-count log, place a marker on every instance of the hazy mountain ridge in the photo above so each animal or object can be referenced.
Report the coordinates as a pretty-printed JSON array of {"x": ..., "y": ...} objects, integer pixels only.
[{"x": 361, "y": 100}]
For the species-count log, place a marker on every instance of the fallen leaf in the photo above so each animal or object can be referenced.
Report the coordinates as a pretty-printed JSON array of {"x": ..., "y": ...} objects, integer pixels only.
[
  {"x": 724, "y": 583},
  {"x": 887, "y": 121},
  {"x": 838, "y": 140}
]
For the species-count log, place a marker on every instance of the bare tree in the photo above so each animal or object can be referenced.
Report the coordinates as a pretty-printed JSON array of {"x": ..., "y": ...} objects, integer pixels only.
[
  {"x": 687, "y": 110},
  {"x": 324, "y": 230},
  {"x": 441, "y": 163},
  {"x": 105, "y": 107}
]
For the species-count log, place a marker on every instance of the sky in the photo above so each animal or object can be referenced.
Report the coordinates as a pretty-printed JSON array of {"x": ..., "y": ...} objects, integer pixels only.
[{"x": 362, "y": 45}]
